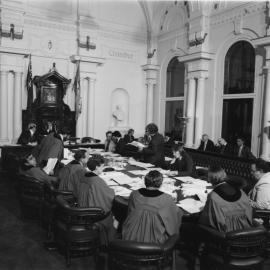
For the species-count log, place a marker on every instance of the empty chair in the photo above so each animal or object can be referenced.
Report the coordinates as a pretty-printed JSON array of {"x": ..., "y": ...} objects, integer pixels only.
[
  {"x": 241, "y": 249},
  {"x": 128, "y": 255},
  {"x": 76, "y": 231},
  {"x": 31, "y": 197}
]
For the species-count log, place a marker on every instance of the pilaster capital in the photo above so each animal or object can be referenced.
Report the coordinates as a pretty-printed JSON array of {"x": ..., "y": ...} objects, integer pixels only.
[{"x": 151, "y": 71}]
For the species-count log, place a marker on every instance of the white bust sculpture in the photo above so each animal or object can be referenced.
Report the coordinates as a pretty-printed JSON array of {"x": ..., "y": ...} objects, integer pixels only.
[{"x": 118, "y": 116}]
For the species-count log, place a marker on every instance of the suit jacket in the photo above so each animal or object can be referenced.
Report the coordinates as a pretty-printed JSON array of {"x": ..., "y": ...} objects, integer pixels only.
[
  {"x": 120, "y": 146},
  {"x": 245, "y": 153},
  {"x": 226, "y": 150},
  {"x": 26, "y": 137},
  {"x": 128, "y": 139},
  {"x": 184, "y": 166},
  {"x": 209, "y": 146},
  {"x": 154, "y": 153}
]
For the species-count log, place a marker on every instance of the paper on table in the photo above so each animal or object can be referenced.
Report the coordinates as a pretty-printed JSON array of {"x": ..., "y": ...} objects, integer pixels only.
[
  {"x": 168, "y": 159},
  {"x": 185, "y": 179},
  {"x": 139, "y": 172},
  {"x": 141, "y": 164},
  {"x": 191, "y": 206},
  {"x": 121, "y": 191},
  {"x": 66, "y": 161}
]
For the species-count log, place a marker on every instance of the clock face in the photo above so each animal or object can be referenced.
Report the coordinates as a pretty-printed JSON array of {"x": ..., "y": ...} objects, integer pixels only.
[{"x": 48, "y": 95}]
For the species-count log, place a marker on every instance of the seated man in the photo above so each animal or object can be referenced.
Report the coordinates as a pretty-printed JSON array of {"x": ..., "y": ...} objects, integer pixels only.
[
  {"x": 109, "y": 143},
  {"x": 70, "y": 175},
  {"x": 224, "y": 148},
  {"x": 29, "y": 168},
  {"x": 152, "y": 215},
  {"x": 29, "y": 136},
  {"x": 129, "y": 137},
  {"x": 119, "y": 142},
  {"x": 206, "y": 144},
  {"x": 227, "y": 207},
  {"x": 242, "y": 150},
  {"x": 260, "y": 194},
  {"x": 50, "y": 150},
  {"x": 94, "y": 192},
  {"x": 182, "y": 162}
]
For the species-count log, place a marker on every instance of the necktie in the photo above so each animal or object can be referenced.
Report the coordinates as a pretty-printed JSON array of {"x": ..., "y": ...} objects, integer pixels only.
[
  {"x": 107, "y": 146},
  {"x": 204, "y": 147}
]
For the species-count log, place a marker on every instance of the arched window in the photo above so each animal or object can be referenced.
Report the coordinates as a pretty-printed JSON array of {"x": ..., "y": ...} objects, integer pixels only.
[
  {"x": 174, "y": 100},
  {"x": 238, "y": 92}
]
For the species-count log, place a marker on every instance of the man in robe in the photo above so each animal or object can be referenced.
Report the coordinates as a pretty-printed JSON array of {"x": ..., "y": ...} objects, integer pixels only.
[
  {"x": 94, "y": 192},
  {"x": 71, "y": 174},
  {"x": 227, "y": 207},
  {"x": 152, "y": 215},
  {"x": 50, "y": 150},
  {"x": 29, "y": 168}
]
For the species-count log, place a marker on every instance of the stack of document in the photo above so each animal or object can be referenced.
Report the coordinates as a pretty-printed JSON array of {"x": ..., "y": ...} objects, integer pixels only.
[
  {"x": 190, "y": 205},
  {"x": 169, "y": 189},
  {"x": 137, "y": 144}
]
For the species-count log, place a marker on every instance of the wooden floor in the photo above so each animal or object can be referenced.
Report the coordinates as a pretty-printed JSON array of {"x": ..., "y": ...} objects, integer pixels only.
[{"x": 21, "y": 241}]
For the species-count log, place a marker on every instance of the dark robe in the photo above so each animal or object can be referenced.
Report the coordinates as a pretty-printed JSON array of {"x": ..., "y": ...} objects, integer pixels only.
[
  {"x": 70, "y": 176},
  {"x": 50, "y": 147},
  {"x": 227, "y": 209},
  {"x": 154, "y": 153},
  {"x": 152, "y": 217},
  {"x": 38, "y": 174},
  {"x": 94, "y": 192},
  {"x": 184, "y": 166},
  {"x": 27, "y": 137},
  {"x": 128, "y": 139}
]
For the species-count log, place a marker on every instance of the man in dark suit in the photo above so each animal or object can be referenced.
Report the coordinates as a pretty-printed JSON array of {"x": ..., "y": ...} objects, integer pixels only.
[
  {"x": 154, "y": 153},
  {"x": 206, "y": 144},
  {"x": 119, "y": 142},
  {"x": 29, "y": 136},
  {"x": 128, "y": 138},
  {"x": 224, "y": 148},
  {"x": 242, "y": 150},
  {"x": 182, "y": 162}
]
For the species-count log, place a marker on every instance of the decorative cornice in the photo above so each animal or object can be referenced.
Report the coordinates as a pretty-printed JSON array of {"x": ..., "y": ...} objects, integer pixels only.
[
  {"x": 196, "y": 56},
  {"x": 231, "y": 14},
  {"x": 88, "y": 59}
]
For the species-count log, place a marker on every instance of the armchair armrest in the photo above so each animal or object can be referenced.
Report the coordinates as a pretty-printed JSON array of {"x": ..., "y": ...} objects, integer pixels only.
[
  {"x": 209, "y": 233},
  {"x": 170, "y": 243}
]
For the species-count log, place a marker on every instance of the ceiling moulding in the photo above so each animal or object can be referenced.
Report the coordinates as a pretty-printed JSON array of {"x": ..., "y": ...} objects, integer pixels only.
[
  {"x": 231, "y": 14},
  {"x": 170, "y": 35}
]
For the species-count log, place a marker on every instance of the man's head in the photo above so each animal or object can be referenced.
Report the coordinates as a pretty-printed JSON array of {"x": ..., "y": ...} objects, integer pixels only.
[
  {"x": 31, "y": 161},
  {"x": 258, "y": 168},
  {"x": 65, "y": 132},
  {"x": 204, "y": 137},
  {"x": 240, "y": 141},
  {"x": 151, "y": 129},
  {"x": 216, "y": 175},
  {"x": 116, "y": 134},
  {"x": 108, "y": 135},
  {"x": 95, "y": 165},
  {"x": 221, "y": 141},
  {"x": 153, "y": 179},
  {"x": 177, "y": 150},
  {"x": 81, "y": 156},
  {"x": 131, "y": 132},
  {"x": 32, "y": 126}
]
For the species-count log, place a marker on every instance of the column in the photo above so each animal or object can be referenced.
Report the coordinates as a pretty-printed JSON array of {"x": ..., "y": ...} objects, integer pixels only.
[
  {"x": 266, "y": 118},
  {"x": 81, "y": 123},
  {"x": 17, "y": 106},
  {"x": 199, "y": 111},
  {"x": 150, "y": 101},
  {"x": 4, "y": 106},
  {"x": 91, "y": 107},
  {"x": 190, "y": 112},
  {"x": 84, "y": 95}
]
